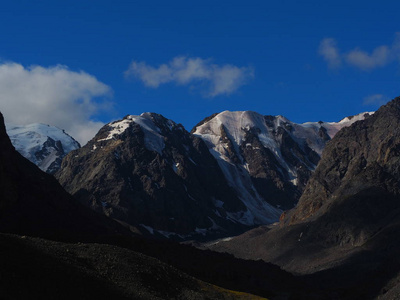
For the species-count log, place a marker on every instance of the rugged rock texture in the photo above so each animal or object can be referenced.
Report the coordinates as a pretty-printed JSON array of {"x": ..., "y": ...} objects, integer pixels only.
[
  {"x": 362, "y": 157},
  {"x": 237, "y": 170},
  {"x": 345, "y": 230},
  {"x": 44, "y": 145},
  {"x": 266, "y": 159},
  {"x": 32, "y": 203},
  {"x": 148, "y": 170}
]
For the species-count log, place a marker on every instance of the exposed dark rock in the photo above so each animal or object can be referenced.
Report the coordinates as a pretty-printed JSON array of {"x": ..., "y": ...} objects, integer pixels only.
[
  {"x": 345, "y": 231},
  {"x": 175, "y": 189},
  {"x": 32, "y": 203}
]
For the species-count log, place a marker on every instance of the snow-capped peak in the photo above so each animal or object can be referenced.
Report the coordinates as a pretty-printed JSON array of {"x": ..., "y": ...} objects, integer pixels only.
[
  {"x": 243, "y": 142},
  {"x": 154, "y": 140},
  {"x": 42, "y": 144}
]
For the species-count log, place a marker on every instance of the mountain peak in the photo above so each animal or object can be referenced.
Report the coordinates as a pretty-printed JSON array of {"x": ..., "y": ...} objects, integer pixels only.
[
  {"x": 42, "y": 144},
  {"x": 153, "y": 126}
]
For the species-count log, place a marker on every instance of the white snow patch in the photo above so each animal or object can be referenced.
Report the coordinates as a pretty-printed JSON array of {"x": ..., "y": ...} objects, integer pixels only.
[
  {"x": 48, "y": 160},
  {"x": 117, "y": 128},
  {"x": 154, "y": 141},
  {"x": 175, "y": 167}
]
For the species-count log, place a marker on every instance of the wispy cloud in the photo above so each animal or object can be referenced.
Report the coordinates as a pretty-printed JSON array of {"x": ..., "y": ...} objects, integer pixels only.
[
  {"x": 182, "y": 70},
  {"x": 55, "y": 96},
  {"x": 330, "y": 52},
  {"x": 376, "y": 99},
  {"x": 378, "y": 57}
]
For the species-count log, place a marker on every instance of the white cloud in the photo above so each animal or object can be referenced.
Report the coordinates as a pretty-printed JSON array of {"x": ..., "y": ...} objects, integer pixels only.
[
  {"x": 219, "y": 79},
  {"x": 55, "y": 96},
  {"x": 378, "y": 57},
  {"x": 330, "y": 52},
  {"x": 376, "y": 99}
]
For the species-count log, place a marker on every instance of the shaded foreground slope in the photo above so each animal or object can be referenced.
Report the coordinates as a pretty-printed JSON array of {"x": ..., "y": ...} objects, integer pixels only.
[
  {"x": 345, "y": 231},
  {"x": 37, "y": 268},
  {"x": 33, "y": 202}
]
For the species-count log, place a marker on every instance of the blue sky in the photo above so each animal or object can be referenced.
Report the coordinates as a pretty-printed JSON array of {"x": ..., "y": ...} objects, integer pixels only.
[{"x": 79, "y": 64}]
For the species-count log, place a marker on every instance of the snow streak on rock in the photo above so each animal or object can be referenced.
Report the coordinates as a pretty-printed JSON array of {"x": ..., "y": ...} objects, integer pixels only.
[{"x": 266, "y": 158}]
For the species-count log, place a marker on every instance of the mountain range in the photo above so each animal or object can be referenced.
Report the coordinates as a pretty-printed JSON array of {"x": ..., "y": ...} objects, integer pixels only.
[
  {"x": 337, "y": 185},
  {"x": 234, "y": 171},
  {"x": 52, "y": 246}
]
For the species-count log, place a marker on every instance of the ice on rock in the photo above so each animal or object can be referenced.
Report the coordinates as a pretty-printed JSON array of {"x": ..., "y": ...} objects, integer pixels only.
[
  {"x": 154, "y": 141},
  {"x": 31, "y": 139}
]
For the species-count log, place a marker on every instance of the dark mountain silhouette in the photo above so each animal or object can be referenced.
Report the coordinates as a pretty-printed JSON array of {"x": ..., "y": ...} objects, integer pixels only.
[{"x": 33, "y": 202}]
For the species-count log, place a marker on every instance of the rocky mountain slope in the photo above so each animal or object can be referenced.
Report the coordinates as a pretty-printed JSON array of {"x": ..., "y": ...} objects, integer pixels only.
[
  {"x": 117, "y": 266},
  {"x": 346, "y": 226},
  {"x": 267, "y": 160},
  {"x": 41, "y": 269},
  {"x": 44, "y": 145},
  {"x": 147, "y": 170},
  {"x": 237, "y": 170}
]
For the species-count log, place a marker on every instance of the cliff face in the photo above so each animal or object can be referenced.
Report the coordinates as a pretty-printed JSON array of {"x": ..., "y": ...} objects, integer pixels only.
[{"x": 363, "y": 157}]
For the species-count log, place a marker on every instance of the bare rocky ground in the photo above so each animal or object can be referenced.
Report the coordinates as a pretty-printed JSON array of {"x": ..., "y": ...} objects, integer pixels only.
[{"x": 33, "y": 268}]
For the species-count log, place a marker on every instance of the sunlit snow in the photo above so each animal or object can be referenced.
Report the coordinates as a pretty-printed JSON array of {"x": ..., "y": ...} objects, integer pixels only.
[{"x": 154, "y": 141}]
